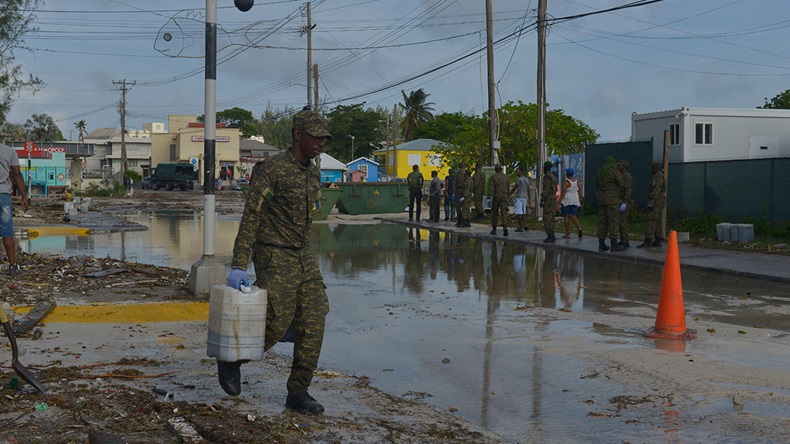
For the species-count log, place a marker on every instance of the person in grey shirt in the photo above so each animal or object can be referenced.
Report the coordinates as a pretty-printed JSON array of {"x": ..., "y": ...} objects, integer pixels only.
[
  {"x": 10, "y": 173},
  {"x": 522, "y": 201}
]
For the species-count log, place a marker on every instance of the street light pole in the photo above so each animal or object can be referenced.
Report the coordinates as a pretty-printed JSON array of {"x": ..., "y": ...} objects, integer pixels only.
[
  {"x": 352, "y": 147},
  {"x": 208, "y": 272}
]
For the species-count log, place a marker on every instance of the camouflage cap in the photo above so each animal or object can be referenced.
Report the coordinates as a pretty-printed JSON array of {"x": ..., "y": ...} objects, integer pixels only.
[
  {"x": 655, "y": 165},
  {"x": 498, "y": 167},
  {"x": 623, "y": 163},
  {"x": 312, "y": 123},
  {"x": 548, "y": 164}
]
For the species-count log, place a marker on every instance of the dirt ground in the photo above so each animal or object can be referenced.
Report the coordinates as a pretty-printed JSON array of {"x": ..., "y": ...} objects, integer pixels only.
[
  {"x": 118, "y": 401},
  {"x": 147, "y": 383}
]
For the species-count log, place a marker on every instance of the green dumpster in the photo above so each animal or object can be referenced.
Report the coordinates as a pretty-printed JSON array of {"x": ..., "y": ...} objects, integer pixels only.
[
  {"x": 329, "y": 197},
  {"x": 373, "y": 197}
]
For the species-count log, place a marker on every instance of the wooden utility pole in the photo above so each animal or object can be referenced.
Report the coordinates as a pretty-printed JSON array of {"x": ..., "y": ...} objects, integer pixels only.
[
  {"x": 541, "y": 125},
  {"x": 124, "y": 88},
  {"x": 309, "y": 31},
  {"x": 493, "y": 143},
  {"x": 315, "y": 87},
  {"x": 666, "y": 184}
]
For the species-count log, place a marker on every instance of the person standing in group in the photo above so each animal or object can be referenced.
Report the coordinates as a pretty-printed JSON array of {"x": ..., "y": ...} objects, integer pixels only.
[
  {"x": 656, "y": 198},
  {"x": 625, "y": 207},
  {"x": 10, "y": 175},
  {"x": 571, "y": 199},
  {"x": 449, "y": 196},
  {"x": 522, "y": 201},
  {"x": 499, "y": 187},
  {"x": 548, "y": 201},
  {"x": 609, "y": 185},
  {"x": 434, "y": 197},
  {"x": 463, "y": 190},
  {"x": 275, "y": 230},
  {"x": 478, "y": 190},
  {"x": 415, "y": 181}
]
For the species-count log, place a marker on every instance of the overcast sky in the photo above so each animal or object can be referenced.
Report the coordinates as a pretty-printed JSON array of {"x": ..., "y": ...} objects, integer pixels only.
[{"x": 601, "y": 68}]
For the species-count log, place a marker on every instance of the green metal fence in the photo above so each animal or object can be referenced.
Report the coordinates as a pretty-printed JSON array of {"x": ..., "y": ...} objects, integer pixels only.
[{"x": 638, "y": 154}]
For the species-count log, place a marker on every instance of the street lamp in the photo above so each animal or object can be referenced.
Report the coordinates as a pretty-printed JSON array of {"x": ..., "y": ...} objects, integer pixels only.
[
  {"x": 208, "y": 272},
  {"x": 352, "y": 146}
]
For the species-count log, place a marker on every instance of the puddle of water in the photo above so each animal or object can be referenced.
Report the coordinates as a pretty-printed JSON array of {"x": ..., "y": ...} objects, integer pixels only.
[{"x": 433, "y": 313}]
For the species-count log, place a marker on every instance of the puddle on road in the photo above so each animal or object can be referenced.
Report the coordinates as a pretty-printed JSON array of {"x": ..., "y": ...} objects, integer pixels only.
[{"x": 433, "y": 316}]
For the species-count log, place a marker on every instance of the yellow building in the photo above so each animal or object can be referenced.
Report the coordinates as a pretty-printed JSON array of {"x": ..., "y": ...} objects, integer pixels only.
[
  {"x": 184, "y": 142},
  {"x": 401, "y": 159}
]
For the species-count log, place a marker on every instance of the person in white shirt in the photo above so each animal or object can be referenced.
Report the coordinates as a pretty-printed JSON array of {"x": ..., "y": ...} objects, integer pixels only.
[{"x": 571, "y": 198}]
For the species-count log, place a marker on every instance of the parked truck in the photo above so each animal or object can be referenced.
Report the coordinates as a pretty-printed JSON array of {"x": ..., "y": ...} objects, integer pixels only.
[{"x": 172, "y": 175}]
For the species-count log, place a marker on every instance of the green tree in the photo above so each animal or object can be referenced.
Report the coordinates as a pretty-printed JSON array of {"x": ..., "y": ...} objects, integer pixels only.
[
  {"x": 779, "y": 101},
  {"x": 418, "y": 110},
  {"x": 364, "y": 124},
  {"x": 275, "y": 126},
  {"x": 238, "y": 118},
  {"x": 16, "y": 21},
  {"x": 42, "y": 128},
  {"x": 81, "y": 129},
  {"x": 12, "y": 132}
]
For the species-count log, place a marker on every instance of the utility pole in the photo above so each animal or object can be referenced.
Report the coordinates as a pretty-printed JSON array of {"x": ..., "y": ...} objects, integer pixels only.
[
  {"x": 541, "y": 126},
  {"x": 493, "y": 142},
  {"x": 315, "y": 81},
  {"x": 124, "y": 88},
  {"x": 309, "y": 31}
]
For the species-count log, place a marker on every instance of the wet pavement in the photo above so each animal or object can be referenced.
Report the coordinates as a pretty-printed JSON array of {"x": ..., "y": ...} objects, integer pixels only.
[{"x": 525, "y": 341}]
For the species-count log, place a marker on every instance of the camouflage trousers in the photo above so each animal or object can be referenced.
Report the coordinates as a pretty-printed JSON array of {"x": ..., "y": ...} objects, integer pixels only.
[
  {"x": 624, "y": 224},
  {"x": 297, "y": 298},
  {"x": 499, "y": 210},
  {"x": 466, "y": 209},
  {"x": 653, "y": 222},
  {"x": 608, "y": 221},
  {"x": 479, "y": 208},
  {"x": 549, "y": 214}
]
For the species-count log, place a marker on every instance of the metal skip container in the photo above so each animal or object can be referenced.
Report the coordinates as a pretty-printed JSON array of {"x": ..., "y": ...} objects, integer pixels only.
[{"x": 236, "y": 323}]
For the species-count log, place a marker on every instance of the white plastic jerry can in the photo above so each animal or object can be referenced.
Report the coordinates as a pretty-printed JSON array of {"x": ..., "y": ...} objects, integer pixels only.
[{"x": 236, "y": 323}]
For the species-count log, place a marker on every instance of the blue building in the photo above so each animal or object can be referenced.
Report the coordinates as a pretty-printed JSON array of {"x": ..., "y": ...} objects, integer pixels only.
[
  {"x": 45, "y": 169},
  {"x": 369, "y": 167},
  {"x": 332, "y": 170}
]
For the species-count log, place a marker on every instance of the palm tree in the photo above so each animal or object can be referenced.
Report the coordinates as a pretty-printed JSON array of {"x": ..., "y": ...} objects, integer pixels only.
[
  {"x": 81, "y": 125},
  {"x": 417, "y": 110}
]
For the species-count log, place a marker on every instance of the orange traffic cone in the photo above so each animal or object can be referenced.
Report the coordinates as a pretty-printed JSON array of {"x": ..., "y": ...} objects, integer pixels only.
[{"x": 671, "y": 317}]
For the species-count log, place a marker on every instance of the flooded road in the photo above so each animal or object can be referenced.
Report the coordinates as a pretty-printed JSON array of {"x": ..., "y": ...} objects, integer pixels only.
[{"x": 452, "y": 320}]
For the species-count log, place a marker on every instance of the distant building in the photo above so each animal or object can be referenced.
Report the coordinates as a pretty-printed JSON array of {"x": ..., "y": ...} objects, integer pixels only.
[
  {"x": 252, "y": 151},
  {"x": 700, "y": 134},
  {"x": 368, "y": 168},
  {"x": 400, "y": 159},
  {"x": 332, "y": 170}
]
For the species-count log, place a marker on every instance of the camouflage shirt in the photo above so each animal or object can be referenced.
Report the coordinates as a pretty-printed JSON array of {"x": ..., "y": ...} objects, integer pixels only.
[
  {"x": 479, "y": 183},
  {"x": 498, "y": 186},
  {"x": 611, "y": 188},
  {"x": 628, "y": 187},
  {"x": 656, "y": 190},
  {"x": 463, "y": 186},
  {"x": 550, "y": 185},
  {"x": 278, "y": 210}
]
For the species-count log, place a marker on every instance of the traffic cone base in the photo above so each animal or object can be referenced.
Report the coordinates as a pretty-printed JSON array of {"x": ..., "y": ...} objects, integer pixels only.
[{"x": 671, "y": 316}]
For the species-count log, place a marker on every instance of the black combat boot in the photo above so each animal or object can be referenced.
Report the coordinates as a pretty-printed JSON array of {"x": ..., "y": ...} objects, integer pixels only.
[
  {"x": 625, "y": 244},
  {"x": 493, "y": 231},
  {"x": 230, "y": 377},
  {"x": 550, "y": 239},
  {"x": 602, "y": 245},
  {"x": 505, "y": 232},
  {"x": 616, "y": 246},
  {"x": 302, "y": 402},
  {"x": 645, "y": 244},
  {"x": 656, "y": 243}
]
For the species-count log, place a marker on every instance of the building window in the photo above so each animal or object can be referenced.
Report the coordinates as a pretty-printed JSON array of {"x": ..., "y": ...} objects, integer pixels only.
[
  {"x": 674, "y": 134},
  {"x": 703, "y": 134},
  {"x": 363, "y": 167}
]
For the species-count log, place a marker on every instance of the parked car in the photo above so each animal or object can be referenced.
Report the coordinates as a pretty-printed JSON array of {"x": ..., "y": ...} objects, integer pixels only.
[{"x": 240, "y": 183}]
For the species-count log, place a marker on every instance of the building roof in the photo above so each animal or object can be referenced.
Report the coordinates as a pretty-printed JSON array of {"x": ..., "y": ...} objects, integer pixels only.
[
  {"x": 330, "y": 163},
  {"x": 104, "y": 134},
  {"x": 255, "y": 145},
  {"x": 414, "y": 145},
  {"x": 365, "y": 159},
  {"x": 711, "y": 112}
]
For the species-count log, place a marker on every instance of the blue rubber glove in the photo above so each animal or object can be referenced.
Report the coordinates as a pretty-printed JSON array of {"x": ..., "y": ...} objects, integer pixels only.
[
  {"x": 622, "y": 207},
  {"x": 237, "y": 277},
  {"x": 461, "y": 199}
]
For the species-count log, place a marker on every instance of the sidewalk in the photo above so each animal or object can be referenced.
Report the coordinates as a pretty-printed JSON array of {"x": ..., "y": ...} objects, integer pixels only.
[{"x": 753, "y": 265}]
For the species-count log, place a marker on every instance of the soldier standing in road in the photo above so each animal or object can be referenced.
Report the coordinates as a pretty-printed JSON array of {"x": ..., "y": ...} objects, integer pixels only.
[
  {"x": 548, "y": 201},
  {"x": 499, "y": 187},
  {"x": 449, "y": 196},
  {"x": 478, "y": 190},
  {"x": 609, "y": 185},
  {"x": 415, "y": 181},
  {"x": 656, "y": 198},
  {"x": 628, "y": 185},
  {"x": 463, "y": 190},
  {"x": 275, "y": 229}
]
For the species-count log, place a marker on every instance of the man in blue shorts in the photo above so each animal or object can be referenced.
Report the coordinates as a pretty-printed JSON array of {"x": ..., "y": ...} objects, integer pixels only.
[
  {"x": 10, "y": 173},
  {"x": 522, "y": 201}
]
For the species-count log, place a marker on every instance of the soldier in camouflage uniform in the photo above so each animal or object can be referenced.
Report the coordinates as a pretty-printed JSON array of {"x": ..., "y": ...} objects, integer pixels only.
[
  {"x": 656, "y": 198},
  {"x": 499, "y": 188},
  {"x": 463, "y": 190},
  {"x": 609, "y": 185},
  {"x": 478, "y": 190},
  {"x": 275, "y": 229},
  {"x": 628, "y": 186},
  {"x": 548, "y": 201}
]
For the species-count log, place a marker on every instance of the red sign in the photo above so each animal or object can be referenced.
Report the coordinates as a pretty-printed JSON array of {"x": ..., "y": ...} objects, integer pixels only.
[{"x": 29, "y": 146}]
